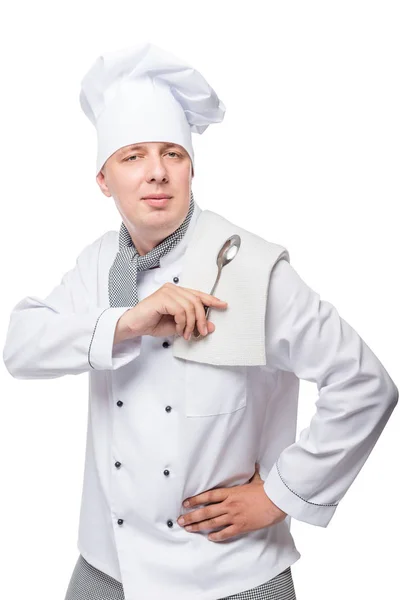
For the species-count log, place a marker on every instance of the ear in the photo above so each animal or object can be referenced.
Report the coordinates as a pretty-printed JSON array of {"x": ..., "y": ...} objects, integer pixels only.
[{"x": 101, "y": 180}]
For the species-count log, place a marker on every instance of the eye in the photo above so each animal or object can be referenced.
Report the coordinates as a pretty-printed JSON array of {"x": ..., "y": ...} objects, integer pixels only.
[
  {"x": 133, "y": 155},
  {"x": 173, "y": 153}
]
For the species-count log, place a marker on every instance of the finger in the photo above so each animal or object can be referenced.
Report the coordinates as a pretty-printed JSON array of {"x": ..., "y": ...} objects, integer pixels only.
[
  {"x": 214, "y": 523},
  {"x": 204, "y": 514},
  {"x": 200, "y": 314},
  {"x": 176, "y": 310},
  {"x": 193, "y": 310},
  {"x": 207, "y": 299},
  {"x": 208, "y": 497},
  {"x": 211, "y": 326},
  {"x": 166, "y": 327},
  {"x": 224, "y": 534}
]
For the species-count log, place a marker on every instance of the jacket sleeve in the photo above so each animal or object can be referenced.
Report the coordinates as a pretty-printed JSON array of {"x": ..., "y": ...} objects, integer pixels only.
[
  {"x": 67, "y": 333},
  {"x": 306, "y": 335}
]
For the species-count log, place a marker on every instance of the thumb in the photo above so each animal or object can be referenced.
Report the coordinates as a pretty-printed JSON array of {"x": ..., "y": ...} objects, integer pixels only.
[{"x": 256, "y": 475}]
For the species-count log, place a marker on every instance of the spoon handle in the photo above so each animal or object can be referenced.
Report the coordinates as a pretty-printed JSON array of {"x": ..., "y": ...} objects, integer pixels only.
[
  {"x": 196, "y": 334},
  {"x": 217, "y": 279}
]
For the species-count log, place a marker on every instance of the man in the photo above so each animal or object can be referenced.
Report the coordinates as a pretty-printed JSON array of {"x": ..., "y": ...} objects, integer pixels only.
[{"x": 210, "y": 421}]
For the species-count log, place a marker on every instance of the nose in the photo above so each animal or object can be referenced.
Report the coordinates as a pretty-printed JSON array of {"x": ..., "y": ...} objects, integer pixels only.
[{"x": 156, "y": 171}]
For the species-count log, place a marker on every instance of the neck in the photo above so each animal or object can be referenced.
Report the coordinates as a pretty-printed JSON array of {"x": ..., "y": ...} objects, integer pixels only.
[{"x": 144, "y": 246}]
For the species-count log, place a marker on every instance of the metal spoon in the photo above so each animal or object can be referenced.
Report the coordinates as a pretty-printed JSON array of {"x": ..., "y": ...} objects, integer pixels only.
[{"x": 228, "y": 251}]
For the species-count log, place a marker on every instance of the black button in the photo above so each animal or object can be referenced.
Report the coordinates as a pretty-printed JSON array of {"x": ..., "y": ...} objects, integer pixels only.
[
  {"x": 170, "y": 523},
  {"x": 176, "y": 279},
  {"x": 168, "y": 408},
  {"x": 120, "y": 521},
  {"x": 119, "y": 403},
  {"x": 165, "y": 344},
  {"x": 118, "y": 464},
  {"x": 166, "y": 472}
]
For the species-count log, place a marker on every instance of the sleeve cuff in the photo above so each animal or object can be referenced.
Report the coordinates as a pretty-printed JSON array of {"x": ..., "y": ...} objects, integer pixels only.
[
  {"x": 295, "y": 506},
  {"x": 102, "y": 353}
]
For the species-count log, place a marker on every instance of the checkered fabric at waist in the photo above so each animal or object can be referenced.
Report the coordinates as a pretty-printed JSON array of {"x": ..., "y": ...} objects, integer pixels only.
[{"x": 88, "y": 583}]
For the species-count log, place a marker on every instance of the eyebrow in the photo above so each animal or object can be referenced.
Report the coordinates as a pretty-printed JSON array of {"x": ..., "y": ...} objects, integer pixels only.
[{"x": 142, "y": 147}]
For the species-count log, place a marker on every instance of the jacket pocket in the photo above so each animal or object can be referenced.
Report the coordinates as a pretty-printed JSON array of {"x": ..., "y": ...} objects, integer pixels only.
[{"x": 214, "y": 389}]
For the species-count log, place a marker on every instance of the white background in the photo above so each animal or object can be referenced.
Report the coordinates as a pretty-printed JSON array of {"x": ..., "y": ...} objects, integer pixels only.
[{"x": 307, "y": 156}]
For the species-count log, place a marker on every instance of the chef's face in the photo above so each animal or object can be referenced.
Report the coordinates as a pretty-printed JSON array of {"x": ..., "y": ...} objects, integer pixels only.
[{"x": 140, "y": 170}]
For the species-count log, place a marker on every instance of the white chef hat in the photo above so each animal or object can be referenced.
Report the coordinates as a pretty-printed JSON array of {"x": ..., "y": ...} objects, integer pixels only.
[{"x": 145, "y": 94}]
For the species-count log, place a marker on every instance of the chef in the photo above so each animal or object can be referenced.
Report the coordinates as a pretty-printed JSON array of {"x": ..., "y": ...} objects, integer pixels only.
[{"x": 192, "y": 470}]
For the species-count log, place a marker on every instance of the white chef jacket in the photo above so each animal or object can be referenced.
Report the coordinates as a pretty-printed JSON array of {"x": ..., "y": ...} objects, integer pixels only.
[{"x": 162, "y": 429}]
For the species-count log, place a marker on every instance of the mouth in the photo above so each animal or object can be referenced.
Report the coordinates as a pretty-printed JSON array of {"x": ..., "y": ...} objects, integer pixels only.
[{"x": 157, "y": 199}]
